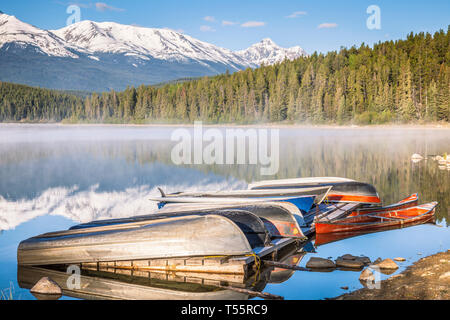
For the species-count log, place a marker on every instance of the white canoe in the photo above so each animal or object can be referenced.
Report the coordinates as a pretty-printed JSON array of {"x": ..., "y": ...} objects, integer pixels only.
[{"x": 298, "y": 182}]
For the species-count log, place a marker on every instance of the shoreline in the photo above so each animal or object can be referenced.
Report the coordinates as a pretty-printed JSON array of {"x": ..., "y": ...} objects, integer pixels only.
[
  {"x": 433, "y": 126},
  {"x": 426, "y": 279}
]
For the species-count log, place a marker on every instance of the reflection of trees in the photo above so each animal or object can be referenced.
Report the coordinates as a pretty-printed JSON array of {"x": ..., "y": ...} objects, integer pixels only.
[{"x": 382, "y": 159}]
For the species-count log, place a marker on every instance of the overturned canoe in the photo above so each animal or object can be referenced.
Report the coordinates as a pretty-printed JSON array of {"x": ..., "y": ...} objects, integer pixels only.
[
  {"x": 281, "y": 219},
  {"x": 408, "y": 202},
  {"x": 304, "y": 203},
  {"x": 375, "y": 221},
  {"x": 343, "y": 190},
  {"x": 320, "y": 193},
  {"x": 297, "y": 182},
  {"x": 227, "y": 233}
]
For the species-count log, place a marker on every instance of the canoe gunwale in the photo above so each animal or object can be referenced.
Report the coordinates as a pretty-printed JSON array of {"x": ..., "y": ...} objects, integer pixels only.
[{"x": 401, "y": 204}]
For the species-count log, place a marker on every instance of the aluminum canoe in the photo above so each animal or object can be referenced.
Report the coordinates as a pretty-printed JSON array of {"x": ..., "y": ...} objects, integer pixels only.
[
  {"x": 304, "y": 203},
  {"x": 232, "y": 233},
  {"x": 320, "y": 193},
  {"x": 281, "y": 219}
]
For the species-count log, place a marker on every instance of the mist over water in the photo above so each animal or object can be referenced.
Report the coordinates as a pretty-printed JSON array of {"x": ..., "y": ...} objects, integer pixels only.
[{"x": 84, "y": 173}]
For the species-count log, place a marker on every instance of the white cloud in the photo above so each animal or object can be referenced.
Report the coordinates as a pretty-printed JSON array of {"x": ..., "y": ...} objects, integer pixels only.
[
  {"x": 101, "y": 6},
  {"x": 327, "y": 25},
  {"x": 209, "y": 19},
  {"x": 253, "y": 24},
  {"x": 296, "y": 14},
  {"x": 229, "y": 23},
  {"x": 207, "y": 29}
]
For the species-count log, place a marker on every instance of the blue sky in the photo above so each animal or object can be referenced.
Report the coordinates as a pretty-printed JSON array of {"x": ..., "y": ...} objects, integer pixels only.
[{"x": 236, "y": 24}]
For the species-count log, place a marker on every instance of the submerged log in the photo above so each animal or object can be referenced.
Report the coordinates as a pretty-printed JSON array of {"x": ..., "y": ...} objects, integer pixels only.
[{"x": 285, "y": 266}]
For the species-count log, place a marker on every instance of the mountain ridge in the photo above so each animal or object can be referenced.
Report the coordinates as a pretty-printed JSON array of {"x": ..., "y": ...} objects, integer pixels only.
[{"x": 98, "y": 56}]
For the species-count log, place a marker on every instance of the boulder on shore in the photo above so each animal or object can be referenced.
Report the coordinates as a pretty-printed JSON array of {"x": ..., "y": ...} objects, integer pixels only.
[
  {"x": 320, "y": 263},
  {"x": 367, "y": 275},
  {"x": 46, "y": 286},
  {"x": 387, "y": 264}
]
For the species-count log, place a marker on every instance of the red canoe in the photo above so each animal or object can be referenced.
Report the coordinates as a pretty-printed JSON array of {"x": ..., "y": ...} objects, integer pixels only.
[
  {"x": 408, "y": 202},
  {"x": 375, "y": 221}
]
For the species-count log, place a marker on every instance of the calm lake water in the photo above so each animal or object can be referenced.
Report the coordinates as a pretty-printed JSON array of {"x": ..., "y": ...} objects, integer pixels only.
[{"x": 52, "y": 177}]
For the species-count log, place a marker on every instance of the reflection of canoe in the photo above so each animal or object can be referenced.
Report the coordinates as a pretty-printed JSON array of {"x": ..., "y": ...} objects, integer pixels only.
[
  {"x": 319, "y": 192},
  {"x": 229, "y": 233},
  {"x": 279, "y": 275},
  {"x": 280, "y": 218},
  {"x": 343, "y": 190},
  {"x": 408, "y": 202},
  {"x": 128, "y": 288},
  {"x": 304, "y": 203},
  {"x": 401, "y": 217}
]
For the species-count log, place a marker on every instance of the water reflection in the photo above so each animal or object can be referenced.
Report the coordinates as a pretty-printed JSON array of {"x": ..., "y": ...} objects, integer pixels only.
[
  {"x": 52, "y": 177},
  {"x": 121, "y": 164},
  {"x": 111, "y": 283}
]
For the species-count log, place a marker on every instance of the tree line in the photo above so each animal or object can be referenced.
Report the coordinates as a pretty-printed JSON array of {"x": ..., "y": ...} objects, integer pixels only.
[{"x": 403, "y": 81}]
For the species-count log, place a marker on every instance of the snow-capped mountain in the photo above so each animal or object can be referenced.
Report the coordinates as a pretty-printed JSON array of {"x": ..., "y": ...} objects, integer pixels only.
[
  {"x": 268, "y": 52},
  {"x": 14, "y": 31},
  {"x": 146, "y": 43},
  {"x": 92, "y": 56}
]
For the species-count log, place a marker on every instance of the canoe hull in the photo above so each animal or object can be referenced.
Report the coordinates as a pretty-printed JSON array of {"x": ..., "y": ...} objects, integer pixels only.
[
  {"x": 279, "y": 218},
  {"x": 408, "y": 202},
  {"x": 403, "y": 217},
  {"x": 347, "y": 191},
  {"x": 179, "y": 237},
  {"x": 303, "y": 203},
  {"x": 320, "y": 193}
]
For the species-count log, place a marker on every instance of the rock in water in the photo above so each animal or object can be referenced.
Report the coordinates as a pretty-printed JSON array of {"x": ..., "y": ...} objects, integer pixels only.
[
  {"x": 400, "y": 259},
  {"x": 367, "y": 275},
  {"x": 46, "y": 286},
  {"x": 350, "y": 261},
  {"x": 365, "y": 260},
  {"x": 387, "y": 264},
  {"x": 320, "y": 263},
  {"x": 352, "y": 264},
  {"x": 416, "y": 158}
]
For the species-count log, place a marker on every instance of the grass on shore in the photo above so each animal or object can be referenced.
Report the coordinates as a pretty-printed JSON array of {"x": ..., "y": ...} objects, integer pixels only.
[{"x": 8, "y": 293}]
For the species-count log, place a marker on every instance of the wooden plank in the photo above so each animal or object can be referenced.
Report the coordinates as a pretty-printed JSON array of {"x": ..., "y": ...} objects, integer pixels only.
[{"x": 229, "y": 268}]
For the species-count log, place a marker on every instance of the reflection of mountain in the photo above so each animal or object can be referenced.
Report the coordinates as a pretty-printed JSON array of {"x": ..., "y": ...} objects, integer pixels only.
[
  {"x": 127, "y": 163},
  {"x": 83, "y": 206}
]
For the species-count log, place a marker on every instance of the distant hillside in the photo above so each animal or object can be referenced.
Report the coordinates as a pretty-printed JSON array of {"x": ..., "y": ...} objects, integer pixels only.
[{"x": 405, "y": 80}]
